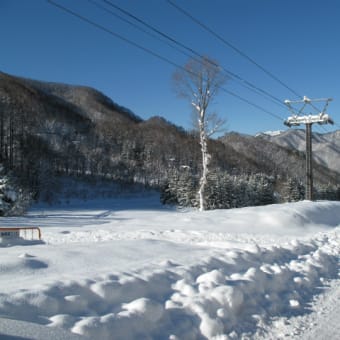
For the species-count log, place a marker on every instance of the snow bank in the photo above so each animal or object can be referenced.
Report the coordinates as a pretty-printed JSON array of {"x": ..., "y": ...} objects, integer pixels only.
[
  {"x": 149, "y": 289},
  {"x": 20, "y": 241},
  {"x": 22, "y": 330},
  {"x": 226, "y": 294}
]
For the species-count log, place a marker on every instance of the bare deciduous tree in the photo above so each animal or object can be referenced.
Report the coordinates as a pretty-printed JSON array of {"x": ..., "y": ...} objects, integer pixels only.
[{"x": 199, "y": 81}]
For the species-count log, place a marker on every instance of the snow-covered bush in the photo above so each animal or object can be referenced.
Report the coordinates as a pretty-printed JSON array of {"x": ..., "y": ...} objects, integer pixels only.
[{"x": 14, "y": 199}]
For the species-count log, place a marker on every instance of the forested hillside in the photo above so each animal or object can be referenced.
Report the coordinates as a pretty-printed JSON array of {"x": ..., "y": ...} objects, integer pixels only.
[
  {"x": 48, "y": 130},
  {"x": 281, "y": 160},
  {"x": 326, "y": 146}
]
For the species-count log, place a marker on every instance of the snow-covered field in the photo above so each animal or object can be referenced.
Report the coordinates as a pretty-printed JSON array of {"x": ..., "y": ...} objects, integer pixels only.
[{"x": 132, "y": 269}]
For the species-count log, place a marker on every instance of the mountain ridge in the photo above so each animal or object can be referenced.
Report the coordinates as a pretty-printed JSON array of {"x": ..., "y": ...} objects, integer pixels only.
[
  {"x": 326, "y": 150},
  {"x": 48, "y": 129}
]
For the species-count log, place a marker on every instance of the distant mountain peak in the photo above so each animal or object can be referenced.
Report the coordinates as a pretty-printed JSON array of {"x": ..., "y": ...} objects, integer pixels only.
[
  {"x": 325, "y": 145},
  {"x": 270, "y": 133}
]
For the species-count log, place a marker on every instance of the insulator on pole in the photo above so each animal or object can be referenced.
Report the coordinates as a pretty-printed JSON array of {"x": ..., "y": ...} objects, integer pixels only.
[{"x": 308, "y": 120}]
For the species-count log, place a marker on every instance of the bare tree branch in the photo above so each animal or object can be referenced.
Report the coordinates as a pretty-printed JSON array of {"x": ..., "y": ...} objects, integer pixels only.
[{"x": 199, "y": 81}]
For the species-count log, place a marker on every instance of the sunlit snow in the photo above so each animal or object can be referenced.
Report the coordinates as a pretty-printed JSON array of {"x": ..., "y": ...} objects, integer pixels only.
[{"x": 133, "y": 269}]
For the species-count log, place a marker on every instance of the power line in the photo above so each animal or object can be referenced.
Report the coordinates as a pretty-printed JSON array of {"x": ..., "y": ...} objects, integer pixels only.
[
  {"x": 136, "y": 26},
  {"x": 252, "y": 104},
  {"x": 98, "y": 26},
  {"x": 237, "y": 50},
  {"x": 236, "y": 77},
  {"x": 164, "y": 59},
  {"x": 116, "y": 35},
  {"x": 150, "y": 26},
  {"x": 139, "y": 28}
]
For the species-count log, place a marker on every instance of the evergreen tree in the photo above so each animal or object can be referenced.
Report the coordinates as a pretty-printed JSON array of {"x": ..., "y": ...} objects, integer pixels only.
[{"x": 293, "y": 190}]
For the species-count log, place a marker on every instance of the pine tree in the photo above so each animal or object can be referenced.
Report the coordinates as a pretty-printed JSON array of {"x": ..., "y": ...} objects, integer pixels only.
[{"x": 293, "y": 190}]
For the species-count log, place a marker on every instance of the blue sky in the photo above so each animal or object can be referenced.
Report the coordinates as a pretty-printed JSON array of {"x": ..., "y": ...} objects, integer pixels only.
[{"x": 297, "y": 41}]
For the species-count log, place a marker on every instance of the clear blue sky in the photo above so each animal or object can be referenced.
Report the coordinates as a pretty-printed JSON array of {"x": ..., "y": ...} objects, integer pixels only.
[{"x": 296, "y": 40}]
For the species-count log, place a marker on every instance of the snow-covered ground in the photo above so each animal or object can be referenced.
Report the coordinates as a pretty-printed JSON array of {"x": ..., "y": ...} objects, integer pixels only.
[{"x": 133, "y": 269}]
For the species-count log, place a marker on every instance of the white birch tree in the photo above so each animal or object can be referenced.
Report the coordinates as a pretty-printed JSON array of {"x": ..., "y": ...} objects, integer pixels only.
[{"x": 199, "y": 81}]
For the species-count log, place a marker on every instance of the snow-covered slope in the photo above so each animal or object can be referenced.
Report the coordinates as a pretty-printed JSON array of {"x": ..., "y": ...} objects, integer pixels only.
[
  {"x": 132, "y": 269},
  {"x": 326, "y": 147}
]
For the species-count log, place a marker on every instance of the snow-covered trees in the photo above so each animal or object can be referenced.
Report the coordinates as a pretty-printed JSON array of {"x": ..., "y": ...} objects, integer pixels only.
[
  {"x": 14, "y": 199},
  {"x": 199, "y": 81},
  {"x": 49, "y": 131},
  {"x": 180, "y": 188},
  {"x": 293, "y": 190},
  {"x": 223, "y": 191}
]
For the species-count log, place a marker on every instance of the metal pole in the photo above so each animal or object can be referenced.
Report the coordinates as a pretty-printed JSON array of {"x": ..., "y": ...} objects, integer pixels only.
[
  {"x": 308, "y": 120},
  {"x": 309, "y": 168}
]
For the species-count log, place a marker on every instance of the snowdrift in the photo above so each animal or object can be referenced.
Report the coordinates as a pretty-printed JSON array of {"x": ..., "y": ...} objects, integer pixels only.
[{"x": 128, "y": 271}]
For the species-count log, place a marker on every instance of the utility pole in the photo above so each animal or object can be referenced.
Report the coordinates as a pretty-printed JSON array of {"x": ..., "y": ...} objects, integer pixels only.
[{"x": 296, "y": 120}]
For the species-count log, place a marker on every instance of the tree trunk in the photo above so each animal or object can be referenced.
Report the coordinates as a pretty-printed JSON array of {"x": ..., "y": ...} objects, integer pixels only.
[
  {"x": 11, "y": 141},
  {"x": 205, "y": 162}
]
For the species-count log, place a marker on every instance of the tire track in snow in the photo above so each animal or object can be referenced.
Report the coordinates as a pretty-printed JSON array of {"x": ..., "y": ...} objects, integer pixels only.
[
  {"x": 320, "y": 323},
  {"x": 229, "y": 294},
  {"x": 324, "y": 321}
]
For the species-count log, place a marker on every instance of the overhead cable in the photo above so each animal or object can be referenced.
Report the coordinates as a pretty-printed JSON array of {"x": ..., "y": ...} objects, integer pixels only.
[
  {"x": 231, "y": 74},
  {"x": 227, "y": 43},
  {"x": 149, "y": 51},
  {"x": 116, "y": 35}
]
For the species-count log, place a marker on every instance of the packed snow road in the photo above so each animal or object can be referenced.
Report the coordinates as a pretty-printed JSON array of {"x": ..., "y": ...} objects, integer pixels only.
[
  {"x": 132, "y": 269},
  {"x": 320, "y": 322}
]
